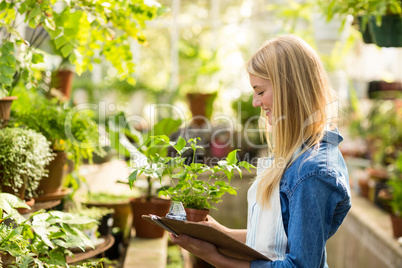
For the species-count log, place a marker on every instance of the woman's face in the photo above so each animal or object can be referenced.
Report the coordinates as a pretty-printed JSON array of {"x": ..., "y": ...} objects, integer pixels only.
[{"x": 263, "y": 95}]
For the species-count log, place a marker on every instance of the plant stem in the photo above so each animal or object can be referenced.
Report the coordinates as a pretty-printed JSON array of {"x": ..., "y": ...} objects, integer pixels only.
[{"x": 149, "y": 189}]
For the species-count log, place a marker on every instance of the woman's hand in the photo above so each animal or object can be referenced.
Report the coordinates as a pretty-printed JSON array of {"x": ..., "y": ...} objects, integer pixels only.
[
  {"x": 213, "y": 223},
  {"x": 198, "y": 247},
  {"x": 207, "y": 252},
  {"x": 238, "y": 234}
]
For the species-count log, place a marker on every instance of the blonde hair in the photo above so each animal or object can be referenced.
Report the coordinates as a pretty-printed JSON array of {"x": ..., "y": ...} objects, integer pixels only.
[{"x": 301, "y": 94}]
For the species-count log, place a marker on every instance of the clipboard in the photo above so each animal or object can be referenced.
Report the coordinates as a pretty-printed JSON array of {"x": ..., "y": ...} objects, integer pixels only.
[{"x": 225, "y": 244}]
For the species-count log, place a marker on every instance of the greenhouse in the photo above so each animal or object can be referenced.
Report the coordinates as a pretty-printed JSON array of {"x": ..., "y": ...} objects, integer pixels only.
[{"x": 204, "y": 133}]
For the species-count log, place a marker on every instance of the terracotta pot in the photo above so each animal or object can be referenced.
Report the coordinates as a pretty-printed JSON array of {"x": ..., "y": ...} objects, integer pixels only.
[
  {"x": 30, "y": 202},
  {"x": 63, "y": 81},
  {"x": 156, "y": 206},
  {"x": 377, "y": 174},
  {"x": 20, "y": 192},
  {"x": 201, "y": 107},
  {"x": 364, "y": 187},
  {"x": 396, "y": 225},
  {"x": 5, "y": 108},
  {"x": 52, "y": 185},
  {"x": 196, "y": 215}
]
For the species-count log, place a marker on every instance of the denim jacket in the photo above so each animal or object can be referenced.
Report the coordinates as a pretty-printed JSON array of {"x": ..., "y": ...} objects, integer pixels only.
[{"x": 315, "y": 198}]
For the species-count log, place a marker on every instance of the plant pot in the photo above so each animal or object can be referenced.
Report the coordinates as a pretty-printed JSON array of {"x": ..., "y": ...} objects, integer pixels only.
[
  {"x": 366, "y": 35},
  {"x": 196, "y": 215},
  {"x": 122, "y": 216},
  {"x": 201, "y": 106},
  {"x": 389, "y": 34},
  {"x": 156, "y": 206},
  {"x": 30, "y": 202},
  {"x": 113, "y": 253},
  {"x": 52, "y": 185},
  {"x": 396, "y": 225},
  {"x": 20, "y": 192},
  {"x": 5, "y": 108},
  {"x": 106, "y": 224},
  {"x": 384, "y": 198},
  {"x": 384, "y": 90},
  {"x": 63, "y": 81},
  {"x": 364, "y": 187},
  {"x": 377, "y": 174}
]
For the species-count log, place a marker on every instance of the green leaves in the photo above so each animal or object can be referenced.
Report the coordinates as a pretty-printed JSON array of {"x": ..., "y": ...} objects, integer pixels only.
[
  {"x": 198, "y": 185},
  {"x": 23, "y": 156},
  {"x": 44, "y": 238},
  {"x": 83, "y": 32},
  {"x": 7, "y": 65}
]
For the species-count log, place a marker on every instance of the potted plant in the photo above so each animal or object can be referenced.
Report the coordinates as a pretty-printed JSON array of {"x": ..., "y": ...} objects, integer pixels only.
[
  {"x": 44, "y": 239},
  {"x": 395, "y": 201},
  {"x": 342, "y": 9},
  {"x": 82, "y": 32},
  {"x": 196, "y": 193},
  {"x": 24, "y": 154},
  {"x": 386, "y": 23},
  {"x": 137, "y": 147},
  {"x": 72, "y": 134},
  {"x": 15, "y": 69},
  {"x": 381, "y": 131},
  {"x": 197, "y": 81},
  {"x": 379, "y": 21},
  {"x": 122, "y": 218},
  {"x": 102, "y": 224}
]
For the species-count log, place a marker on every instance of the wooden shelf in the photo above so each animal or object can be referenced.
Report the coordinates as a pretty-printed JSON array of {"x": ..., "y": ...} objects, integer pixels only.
[{"x": 109, "y": 241}]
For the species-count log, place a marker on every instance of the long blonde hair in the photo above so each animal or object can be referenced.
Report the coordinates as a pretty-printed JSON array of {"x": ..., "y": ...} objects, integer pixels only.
[{"x": 301, "y": 94}]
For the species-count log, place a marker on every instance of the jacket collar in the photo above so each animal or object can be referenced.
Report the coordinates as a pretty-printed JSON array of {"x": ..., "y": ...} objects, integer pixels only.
[{"x": 332, "y": 136}]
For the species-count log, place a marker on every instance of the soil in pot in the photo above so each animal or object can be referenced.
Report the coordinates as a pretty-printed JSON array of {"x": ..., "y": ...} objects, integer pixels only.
[
  {"x": 196, "y": 215},
  {"x": 156, "y": 206}
]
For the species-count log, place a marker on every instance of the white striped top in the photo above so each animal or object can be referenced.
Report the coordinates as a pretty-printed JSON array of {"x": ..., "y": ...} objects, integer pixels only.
[{"x": 265, "y": 231}]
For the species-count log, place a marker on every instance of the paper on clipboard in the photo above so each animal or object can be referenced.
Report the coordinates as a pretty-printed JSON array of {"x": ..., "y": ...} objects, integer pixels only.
[{"x": 226, "y": 244}]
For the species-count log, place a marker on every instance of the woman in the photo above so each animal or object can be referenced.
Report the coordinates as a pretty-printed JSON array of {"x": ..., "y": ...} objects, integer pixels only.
[{"x": 301, "y": 194}]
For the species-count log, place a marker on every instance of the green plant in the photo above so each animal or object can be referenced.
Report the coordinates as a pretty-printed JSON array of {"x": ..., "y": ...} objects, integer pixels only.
[
  {"x": 197, "y": 64},
  {"x": 360, "y": 8},
  {"x": 396, "y": 186},
  {"x": 42, "y": 240},
  {"x": 67, "y": 128},
  {"x": 382, "y": 129},
  {"x": 23, "y": 156},
  {"x": 190, "y": 189},
  {"x": 137, "y": 146},
  {"x": 84, "y": 32}
]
